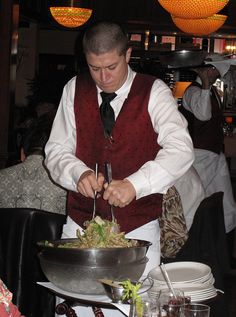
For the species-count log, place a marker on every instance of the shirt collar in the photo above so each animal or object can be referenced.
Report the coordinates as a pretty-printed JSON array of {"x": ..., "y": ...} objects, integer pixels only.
[{"x": 125, "y": 88}]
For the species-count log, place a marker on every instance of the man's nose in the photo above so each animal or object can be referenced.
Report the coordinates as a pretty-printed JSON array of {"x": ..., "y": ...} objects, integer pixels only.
[{"x": 104, "y": 75}]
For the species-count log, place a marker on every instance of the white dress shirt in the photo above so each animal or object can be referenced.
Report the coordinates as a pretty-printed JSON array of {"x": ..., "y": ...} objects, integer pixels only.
[{"x": 198, "y": 101}]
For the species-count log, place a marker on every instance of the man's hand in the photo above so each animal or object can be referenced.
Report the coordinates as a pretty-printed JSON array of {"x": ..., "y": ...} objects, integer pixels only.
[
  {"x": 88, "y": 183},
  {"x": 119, "y": 193},
  {"x": 208, "y": 75}
]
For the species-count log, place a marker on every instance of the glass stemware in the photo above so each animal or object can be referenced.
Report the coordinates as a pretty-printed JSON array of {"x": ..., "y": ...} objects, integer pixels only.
[
  {"x": 171, "y": 303},
  {"x": 196, "y": 310},
  {"x": 144, "y": 306}
]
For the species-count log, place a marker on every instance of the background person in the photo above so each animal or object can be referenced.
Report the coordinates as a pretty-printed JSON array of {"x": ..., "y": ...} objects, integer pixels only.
[
  {"x": 28, "y": 184},
  {"x": 148, "y": 145},
  {"x": 203, "y": 109}
]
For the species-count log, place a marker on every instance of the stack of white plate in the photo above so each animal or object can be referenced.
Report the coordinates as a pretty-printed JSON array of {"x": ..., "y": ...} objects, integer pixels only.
[{"x": 194, "y": 278}]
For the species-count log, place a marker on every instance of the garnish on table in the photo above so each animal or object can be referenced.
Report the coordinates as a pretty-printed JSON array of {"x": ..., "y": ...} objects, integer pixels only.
[{"x": 131, "y": 293}]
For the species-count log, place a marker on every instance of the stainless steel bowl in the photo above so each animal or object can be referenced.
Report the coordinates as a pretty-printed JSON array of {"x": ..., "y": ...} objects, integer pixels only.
[
  {"x": 114, "y": 289},
  {"x": 83, "y": 279},
  {"x": 78, "y": 270},
  {"x": 94, "y": 256}
]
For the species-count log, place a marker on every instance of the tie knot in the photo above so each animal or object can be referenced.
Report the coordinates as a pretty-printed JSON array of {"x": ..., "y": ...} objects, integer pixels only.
[{"x": 108, "y": 96}]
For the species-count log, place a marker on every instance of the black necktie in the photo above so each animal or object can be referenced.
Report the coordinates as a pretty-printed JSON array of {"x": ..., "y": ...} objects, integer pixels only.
[{"x": 107, "y": 113}]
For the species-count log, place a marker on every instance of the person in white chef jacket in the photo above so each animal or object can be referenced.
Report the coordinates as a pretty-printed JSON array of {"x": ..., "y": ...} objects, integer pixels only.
[
  {"x": 202, "y": 106},
  {"x": 141, "y": 133}
]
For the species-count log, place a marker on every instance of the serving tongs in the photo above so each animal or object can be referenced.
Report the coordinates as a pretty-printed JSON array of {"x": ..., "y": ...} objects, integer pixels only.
[
  {"x": 95, "y": 192},
  {"x": 108, "y": 177}
]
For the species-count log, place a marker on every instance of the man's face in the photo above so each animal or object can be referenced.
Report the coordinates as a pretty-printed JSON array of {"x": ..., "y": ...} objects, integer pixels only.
[
  {"x": 109, "y": 70},
  {"x": 213, "y": 74},
  {"x": 210, "y": 73}
]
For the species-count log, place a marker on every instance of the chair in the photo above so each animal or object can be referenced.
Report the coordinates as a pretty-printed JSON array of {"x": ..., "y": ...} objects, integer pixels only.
[
  {"x": 207, "y": 243},
  {"x": 20, "y": 230}
]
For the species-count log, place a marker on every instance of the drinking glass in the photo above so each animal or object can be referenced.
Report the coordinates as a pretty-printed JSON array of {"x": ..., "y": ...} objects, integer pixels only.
[
  {"x": 144, "y": 307},
  {"x": 171, "y": 303},
  {"x": 196, "y": 310}
]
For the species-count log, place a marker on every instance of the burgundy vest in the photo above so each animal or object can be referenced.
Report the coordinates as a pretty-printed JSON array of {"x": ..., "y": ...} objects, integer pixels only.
[
  {"x": 134, "y": 143},
  {"x": 206, "y": 135}
]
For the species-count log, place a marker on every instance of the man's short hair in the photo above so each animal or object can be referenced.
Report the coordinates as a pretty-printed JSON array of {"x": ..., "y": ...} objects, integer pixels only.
[{"x": 103, "y": 37}]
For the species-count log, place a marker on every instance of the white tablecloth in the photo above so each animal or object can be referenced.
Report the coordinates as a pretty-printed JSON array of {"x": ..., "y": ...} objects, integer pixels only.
[{"x": 101, "y": 299}]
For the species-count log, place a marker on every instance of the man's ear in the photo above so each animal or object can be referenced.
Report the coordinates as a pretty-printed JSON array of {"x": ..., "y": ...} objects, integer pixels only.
[
  {"x": 128, "y": 54},
  {"x": 22, "y": 155}
]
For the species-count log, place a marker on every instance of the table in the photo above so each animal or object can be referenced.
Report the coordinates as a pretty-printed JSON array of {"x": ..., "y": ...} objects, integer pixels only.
[
  {"x": 217, "y": 304},
  {"x": 97, "y": 302}
]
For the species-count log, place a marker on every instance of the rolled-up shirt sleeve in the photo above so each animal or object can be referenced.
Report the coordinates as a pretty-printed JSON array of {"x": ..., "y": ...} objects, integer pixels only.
[
  {"x": 65, "y": 169},
  {"x": 176, "y": 155}
]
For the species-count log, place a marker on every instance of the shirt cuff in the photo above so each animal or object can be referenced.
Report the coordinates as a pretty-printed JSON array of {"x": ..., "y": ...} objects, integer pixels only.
[
  {"x": 140, "y": 183},
  {"x": 77, "y": 172},
  {"x": 151, "y": 184}
]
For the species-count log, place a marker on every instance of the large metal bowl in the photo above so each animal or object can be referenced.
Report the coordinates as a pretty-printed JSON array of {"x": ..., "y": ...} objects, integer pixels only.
[
  {"x": 78, "y": 270},
  {"x": 93, "y": 256}
]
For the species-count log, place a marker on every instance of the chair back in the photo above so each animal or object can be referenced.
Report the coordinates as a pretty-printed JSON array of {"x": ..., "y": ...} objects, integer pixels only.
[
  {"x": 20, "y": 230},
  {"x": 207, "y": 243}
]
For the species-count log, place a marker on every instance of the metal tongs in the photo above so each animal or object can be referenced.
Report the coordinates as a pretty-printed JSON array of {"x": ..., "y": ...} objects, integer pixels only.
[
  {"x": 108, "y": 176},
  {"x": 95, "y": 192}
]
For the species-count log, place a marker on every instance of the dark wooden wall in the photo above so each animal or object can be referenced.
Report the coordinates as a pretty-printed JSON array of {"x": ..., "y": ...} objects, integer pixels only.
[{"x": 9, "y": 15}]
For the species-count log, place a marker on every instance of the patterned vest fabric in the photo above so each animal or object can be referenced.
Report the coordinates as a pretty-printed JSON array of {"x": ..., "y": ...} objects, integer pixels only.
[
  {"x": 134, "y": 143},
  {"x": 206, "y": 135}
]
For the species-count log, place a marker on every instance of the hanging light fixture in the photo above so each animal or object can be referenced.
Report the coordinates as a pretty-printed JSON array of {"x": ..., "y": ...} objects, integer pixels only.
[
  {"x": 203, "y": 26},
  {"x": 193, "y": 9},
  {"x": 72, "y": 13}
]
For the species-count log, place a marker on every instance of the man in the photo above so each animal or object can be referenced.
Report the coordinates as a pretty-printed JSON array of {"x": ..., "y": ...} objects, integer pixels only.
[
  {"x": 202, "y": 108},
  {"x": 27, "y": 184},
  {"x": 148, "y": 145}
]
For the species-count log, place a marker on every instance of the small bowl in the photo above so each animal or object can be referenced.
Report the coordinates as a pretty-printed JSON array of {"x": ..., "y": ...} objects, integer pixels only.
[{"x": 114, "y": 289}]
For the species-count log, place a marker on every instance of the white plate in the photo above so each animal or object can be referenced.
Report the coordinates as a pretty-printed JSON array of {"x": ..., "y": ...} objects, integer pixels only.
[
  {"x": 198, "y": 291},
  {"x": 194, "y": 298},
  {"x": 182, "y": 272},
  {"x": 157, "y": 286},
  {"x": 203, "y": 298},
  {"x": 194, "y": 289}
]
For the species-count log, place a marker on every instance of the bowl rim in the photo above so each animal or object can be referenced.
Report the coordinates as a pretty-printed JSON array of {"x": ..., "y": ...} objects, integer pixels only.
[{"x": 44, "y": 246}]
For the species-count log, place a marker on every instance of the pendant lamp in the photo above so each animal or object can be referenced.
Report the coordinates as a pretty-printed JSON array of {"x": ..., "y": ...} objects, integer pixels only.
[
  {"x": 193, "y": 9},
  {"x": 198, "y": 27},
  {"x": 70, "y": 13}
]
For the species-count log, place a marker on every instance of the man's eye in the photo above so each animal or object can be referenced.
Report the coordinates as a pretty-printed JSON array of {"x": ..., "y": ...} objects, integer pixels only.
[{"x": 111, "y": 67}]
